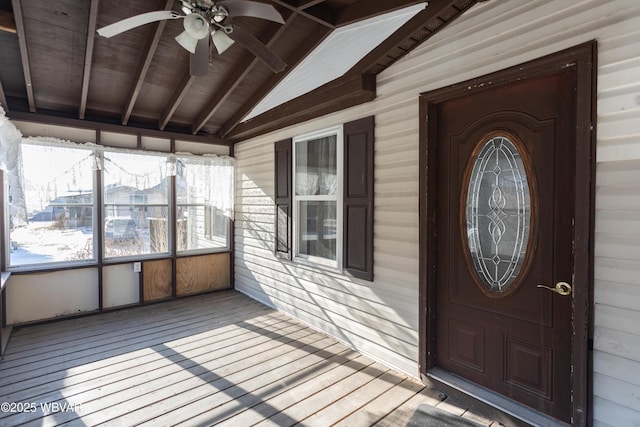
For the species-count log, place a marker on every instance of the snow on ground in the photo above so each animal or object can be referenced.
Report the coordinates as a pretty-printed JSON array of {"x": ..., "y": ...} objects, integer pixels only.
[{"x": 42, "y": 242}]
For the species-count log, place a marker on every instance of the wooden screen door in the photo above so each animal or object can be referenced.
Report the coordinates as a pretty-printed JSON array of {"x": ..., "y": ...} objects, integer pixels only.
[{"x": 504, "y": 167}]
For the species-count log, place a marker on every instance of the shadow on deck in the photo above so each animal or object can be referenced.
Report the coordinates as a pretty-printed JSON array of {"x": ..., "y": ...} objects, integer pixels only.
[{"x": 217, "y": 359}]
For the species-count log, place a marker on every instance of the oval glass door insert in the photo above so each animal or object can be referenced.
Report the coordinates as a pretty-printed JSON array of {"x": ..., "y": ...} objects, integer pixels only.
[{"x": 498, "y": 213}]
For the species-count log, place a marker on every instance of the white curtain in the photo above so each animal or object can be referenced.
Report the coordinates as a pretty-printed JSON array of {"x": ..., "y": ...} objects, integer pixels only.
[
  {"x": 136, "y": 169},
  {"x": 10, "y": 161},
  {"x": 316, "y": 171},
  {"x": 207, "y": 179}
]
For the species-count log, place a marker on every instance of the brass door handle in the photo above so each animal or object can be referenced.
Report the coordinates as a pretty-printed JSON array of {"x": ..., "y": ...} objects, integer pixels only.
[{"x": 562, "y": 288}]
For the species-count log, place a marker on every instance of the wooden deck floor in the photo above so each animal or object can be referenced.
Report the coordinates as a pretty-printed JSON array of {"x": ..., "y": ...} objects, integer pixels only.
[{"x": 218, "y": 359}]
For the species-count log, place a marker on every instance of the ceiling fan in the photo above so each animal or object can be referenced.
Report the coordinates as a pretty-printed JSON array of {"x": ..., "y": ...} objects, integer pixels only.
[{"x": 206, "y": 20}]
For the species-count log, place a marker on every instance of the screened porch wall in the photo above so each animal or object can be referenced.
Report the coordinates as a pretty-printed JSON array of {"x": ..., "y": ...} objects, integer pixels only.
[{"x": 44, "y": 292}]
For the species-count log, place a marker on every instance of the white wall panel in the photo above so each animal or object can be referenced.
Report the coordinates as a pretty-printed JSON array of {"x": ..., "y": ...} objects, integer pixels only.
[
  {"x": 120, "y": 285},
  {"x": 489, "y": 37},
  {"x": 40, "y": 296}
]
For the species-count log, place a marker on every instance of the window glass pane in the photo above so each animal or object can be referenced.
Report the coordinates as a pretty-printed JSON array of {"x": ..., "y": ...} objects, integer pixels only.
[
  {"x": 204, "y": 187},
  {"x": 317, "y": 225},
  {"x": 58, "y": 197},
  {"x": 201, "y": 227},
  {"x": 136, "y": 212},
  {"x": 135, "y": 178},
  {"x": 316, "y": 171}
]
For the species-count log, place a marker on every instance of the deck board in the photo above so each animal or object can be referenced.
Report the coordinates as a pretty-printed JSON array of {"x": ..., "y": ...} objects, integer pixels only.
[
  {"x": 147, "y": 358},
  {"x": 57, "y": 340},
  {"x": 246, "y": 397},
  {"x": 217, "y": 359}
]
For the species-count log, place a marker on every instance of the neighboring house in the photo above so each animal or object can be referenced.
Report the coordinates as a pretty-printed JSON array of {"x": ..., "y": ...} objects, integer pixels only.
[
  {"x": 49, "y": 213},
  {"x": 73, "y": 209},
  {"x": 121, "y": 199}
]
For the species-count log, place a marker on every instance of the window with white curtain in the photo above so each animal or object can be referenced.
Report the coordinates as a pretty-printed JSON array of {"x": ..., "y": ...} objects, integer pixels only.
[
  {"x": 317, "y": 214},
  {"x": 204, "y": 194},
  {"x": 323, "y": 198}
]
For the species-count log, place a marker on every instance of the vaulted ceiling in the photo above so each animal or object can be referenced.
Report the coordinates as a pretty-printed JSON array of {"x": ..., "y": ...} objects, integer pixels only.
[{"x": 54, "y": 66}]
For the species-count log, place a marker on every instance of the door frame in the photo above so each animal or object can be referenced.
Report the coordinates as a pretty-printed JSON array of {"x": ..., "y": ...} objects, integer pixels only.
[{"x": 583, "y": 57}]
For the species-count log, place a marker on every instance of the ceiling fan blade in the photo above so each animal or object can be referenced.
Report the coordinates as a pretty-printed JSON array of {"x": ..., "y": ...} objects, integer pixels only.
[
  {"x": 199, "y": 61},
  {"x": 136, "y": 21},
  {"x": 257, "y": 48},
  {"x": 252, "y": 8},
  {"x": 221, "y": 41}
]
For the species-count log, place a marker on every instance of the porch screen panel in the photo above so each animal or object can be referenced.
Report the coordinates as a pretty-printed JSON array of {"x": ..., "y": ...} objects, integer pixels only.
[
  {"x": 53, "y": 223},
  {"x": 136, "y": 204},
  {"x": 204, "y": 194}
]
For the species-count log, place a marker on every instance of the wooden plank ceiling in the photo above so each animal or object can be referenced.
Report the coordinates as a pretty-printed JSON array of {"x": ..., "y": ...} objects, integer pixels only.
[{"x": 53, "y": 65}]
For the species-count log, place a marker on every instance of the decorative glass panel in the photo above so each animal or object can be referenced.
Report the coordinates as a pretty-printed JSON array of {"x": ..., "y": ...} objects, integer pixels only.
[{"x": 498, "y": 213}]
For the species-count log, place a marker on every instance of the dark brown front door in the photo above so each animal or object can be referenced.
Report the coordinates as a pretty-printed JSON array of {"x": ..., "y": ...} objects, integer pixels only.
[{"x": 504, "y": 209}]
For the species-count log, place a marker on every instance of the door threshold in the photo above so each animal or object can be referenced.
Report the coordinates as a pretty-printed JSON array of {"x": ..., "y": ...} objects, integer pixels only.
[{"x": 517, "y": 414}]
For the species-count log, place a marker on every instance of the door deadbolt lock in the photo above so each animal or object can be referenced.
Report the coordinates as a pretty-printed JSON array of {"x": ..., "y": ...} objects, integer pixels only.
[{"x": 562, "y": 288}]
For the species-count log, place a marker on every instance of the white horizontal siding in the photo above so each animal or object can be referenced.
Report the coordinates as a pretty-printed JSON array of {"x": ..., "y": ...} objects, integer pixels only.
[
  {"x": 489, "y": 37},
  {"x": 310, "y": 294}
]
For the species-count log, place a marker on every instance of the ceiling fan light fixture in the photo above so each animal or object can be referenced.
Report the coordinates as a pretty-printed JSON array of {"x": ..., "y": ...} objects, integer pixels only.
[
  {"x": 196, "y": 26},
  {"x": 187, "y": 42},
  {"x": 221, "y": 41}
]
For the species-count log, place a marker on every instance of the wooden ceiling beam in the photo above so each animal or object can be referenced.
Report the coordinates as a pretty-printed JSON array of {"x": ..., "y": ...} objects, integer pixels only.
[
  {"x": 365, "y": 9},
  {"x": 322, "y": 14},
  {"x": 305, "y": 4},
  {"x": 302, "y": 51},
  {"x": 24, "y": 53},
  {"x": 415, "y": 24},
  {"x": 115, "y": 128},
  {"x": 7, "y": 23},
  {"x": 176, "y": 99},
  {"x": 88, "y": 57},
  {"x": 336, "y": 95},
  {"x": 240, "y": 71},
  {"x": 143, "y": 67},
  {"x": 3, "y": 100}
]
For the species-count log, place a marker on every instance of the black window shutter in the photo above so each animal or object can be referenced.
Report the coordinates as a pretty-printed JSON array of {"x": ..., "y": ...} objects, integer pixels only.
[
  {"x": 283, "y": 165},
  {"x": 358, "y": 198}
]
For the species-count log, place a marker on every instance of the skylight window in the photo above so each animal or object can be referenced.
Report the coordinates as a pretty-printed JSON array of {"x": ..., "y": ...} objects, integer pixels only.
[{"x": 340, "y": 51}]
